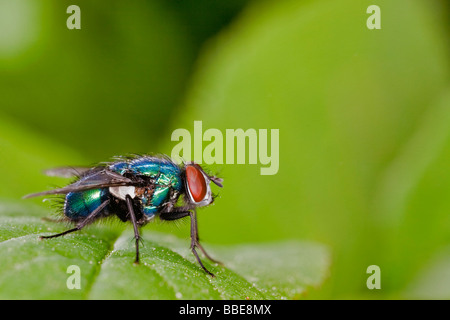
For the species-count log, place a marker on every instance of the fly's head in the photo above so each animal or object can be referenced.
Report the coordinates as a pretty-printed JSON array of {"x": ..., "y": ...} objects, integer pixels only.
[{"x": 197, "y": 183}]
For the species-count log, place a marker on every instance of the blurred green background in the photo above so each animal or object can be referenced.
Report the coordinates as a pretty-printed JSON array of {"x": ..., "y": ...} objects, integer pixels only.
[{"x": 364, "y": 118}]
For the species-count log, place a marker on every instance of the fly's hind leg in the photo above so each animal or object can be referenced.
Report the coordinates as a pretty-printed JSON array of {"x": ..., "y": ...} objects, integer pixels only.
[{"x": 91, "y": 217}]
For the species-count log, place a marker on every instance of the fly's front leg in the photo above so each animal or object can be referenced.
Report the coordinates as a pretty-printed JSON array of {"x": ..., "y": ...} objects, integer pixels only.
[
  {"x": 179, "y": 213},
  {"x": 195, "y": 243}
]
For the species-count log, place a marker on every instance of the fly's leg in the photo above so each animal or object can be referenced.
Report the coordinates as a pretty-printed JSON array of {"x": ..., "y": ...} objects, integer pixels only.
[
  {"x": 195, "y": 239},
  {"x": 135, "y": 225},
  {"x": 195, "y": 243},
  {"x": 91, "y": 217}
]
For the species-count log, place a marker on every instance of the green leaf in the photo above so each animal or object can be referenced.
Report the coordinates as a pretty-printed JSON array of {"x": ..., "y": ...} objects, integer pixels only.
[{"x": 37, "y": 269}]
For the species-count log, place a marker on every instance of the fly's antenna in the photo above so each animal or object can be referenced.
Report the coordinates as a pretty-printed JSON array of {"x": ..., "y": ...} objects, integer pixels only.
[{"x": 217, "y": 181}]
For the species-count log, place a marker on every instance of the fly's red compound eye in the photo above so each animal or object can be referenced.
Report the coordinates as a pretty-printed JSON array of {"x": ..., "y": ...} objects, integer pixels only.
[{"x": 196, "y": 182}]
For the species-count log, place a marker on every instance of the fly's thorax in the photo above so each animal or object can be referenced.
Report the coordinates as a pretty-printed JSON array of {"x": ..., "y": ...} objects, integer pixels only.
[{"x": 157, "y": 180}]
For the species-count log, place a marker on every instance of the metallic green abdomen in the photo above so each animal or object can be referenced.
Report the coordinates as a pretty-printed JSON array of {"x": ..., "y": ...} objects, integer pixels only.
[{"x": 80, "y": 204}]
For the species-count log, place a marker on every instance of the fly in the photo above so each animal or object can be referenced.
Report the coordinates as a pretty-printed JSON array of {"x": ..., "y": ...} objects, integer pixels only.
[{"x": 136, "y": 189}]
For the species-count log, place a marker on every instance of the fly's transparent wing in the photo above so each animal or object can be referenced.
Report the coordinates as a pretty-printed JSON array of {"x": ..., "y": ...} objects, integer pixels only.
[
  {"x": 66, "y": 172},
  {"x": 98, "y": 179}
]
